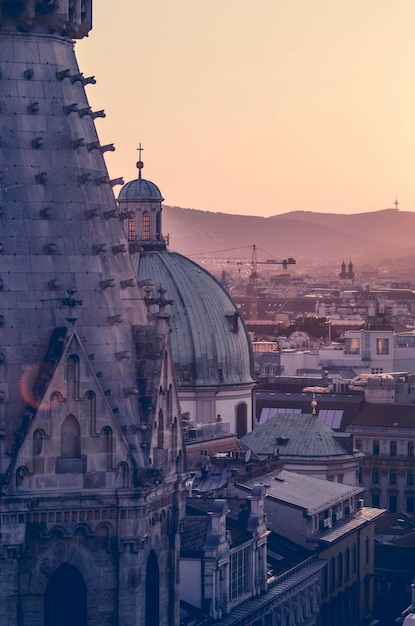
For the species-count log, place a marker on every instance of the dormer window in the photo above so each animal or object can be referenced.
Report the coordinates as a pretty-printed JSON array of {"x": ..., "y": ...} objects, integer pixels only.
[
  {"x": 282, "y": 441},
  {"x": 232, "y": 319}
]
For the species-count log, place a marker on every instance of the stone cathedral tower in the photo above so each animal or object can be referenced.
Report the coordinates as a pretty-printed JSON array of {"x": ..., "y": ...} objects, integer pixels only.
[{"x": 91, "y": 453}]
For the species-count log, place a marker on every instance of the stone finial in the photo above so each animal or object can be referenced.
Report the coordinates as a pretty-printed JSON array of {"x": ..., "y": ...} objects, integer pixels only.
[
  {"x": 129, "y": 282},
  {"x": 102, "y": 180},
  {"x": 95, "y": 212},
  {"x": 76, "y": 143},
  {"x": 70, "y": 108},
  {"x": 127, "y": 215},
  {"x": 50, "y": 248},
  {"x": 115, "y": 319},
  {"x": 116, "y": 181},
  {"x": 93, "y": 145},
  {"x": 63, "y": 74},
  {"x": 124, "y": 354},
  {"x": 120, "y": 248},
  {"x": 96, "y": 114},
  {"x": 41, "y": 177},
  {"x": 84, "y": 111},
  {"x": 84, "y": 178},
  {"x": 37, "y": 142},
  {"x": 99, "y": 247},
  {"x": 45, "y": 213},
  {"x": 109, "y": 147},
  {"x": 110, "y": 213}
]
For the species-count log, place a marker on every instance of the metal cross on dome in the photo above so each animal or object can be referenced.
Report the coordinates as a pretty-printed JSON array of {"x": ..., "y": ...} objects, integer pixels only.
[{"x": 139, "y": 163}]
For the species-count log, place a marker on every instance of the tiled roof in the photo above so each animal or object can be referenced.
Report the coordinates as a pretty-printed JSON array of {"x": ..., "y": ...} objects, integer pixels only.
[{"x": 193, "y": 535}]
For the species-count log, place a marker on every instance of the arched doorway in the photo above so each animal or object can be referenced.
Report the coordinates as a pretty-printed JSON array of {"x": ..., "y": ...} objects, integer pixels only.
[
  {"x": 152, "y": 590},
  {"x": 65, "y": 598}
]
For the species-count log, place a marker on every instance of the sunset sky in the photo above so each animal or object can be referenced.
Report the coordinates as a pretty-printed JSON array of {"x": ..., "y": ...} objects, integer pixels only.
[{"x": 259, "y": 107}]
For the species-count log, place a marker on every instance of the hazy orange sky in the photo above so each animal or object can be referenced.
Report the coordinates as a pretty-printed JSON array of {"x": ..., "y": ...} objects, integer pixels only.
[{"x": 259, "y": 107}]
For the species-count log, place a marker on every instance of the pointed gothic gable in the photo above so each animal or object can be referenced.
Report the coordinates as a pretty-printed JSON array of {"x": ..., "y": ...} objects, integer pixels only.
[
  {"x": 159, "y": 400},
  {"x": 74, "y": 441}
]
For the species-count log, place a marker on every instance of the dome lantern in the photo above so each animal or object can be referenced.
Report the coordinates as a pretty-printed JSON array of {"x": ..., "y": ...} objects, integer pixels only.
[{"x": 139, "y": 202}]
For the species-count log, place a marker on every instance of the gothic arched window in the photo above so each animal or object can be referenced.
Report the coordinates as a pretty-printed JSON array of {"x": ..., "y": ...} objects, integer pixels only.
[{"x": 71, "y": 438}]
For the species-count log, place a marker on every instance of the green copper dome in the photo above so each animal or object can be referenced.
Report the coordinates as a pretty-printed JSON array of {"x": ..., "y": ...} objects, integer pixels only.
[
  {"x": 210, "y": 343},
  {"x": 141, "y": 190}
]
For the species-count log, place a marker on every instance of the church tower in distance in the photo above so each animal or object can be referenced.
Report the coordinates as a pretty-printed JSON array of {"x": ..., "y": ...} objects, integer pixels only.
[{"x": 91, "y": 452}]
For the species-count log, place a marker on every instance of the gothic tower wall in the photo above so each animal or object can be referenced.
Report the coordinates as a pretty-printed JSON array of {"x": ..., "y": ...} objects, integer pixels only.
[{"x": 91, "y": 477}]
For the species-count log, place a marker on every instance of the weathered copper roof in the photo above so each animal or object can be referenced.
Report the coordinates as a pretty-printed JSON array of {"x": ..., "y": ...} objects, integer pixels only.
[
  {"x": 140, "y": 189},
  {"x": 295, "y": 436},
  {"x": 209, "y": 340}
]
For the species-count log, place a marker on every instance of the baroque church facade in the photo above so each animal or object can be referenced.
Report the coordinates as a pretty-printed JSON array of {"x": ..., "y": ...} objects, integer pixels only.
[{"x": 91, "y": 451}]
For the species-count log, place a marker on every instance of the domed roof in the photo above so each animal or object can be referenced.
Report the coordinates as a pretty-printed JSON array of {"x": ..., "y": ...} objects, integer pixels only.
[
  {"x": 140, "y": 189},
  {"x": 209, "y": 340}
]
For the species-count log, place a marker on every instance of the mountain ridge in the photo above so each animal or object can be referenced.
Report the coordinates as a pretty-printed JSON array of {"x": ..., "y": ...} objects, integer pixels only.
[{"x": 366, "y": 238}]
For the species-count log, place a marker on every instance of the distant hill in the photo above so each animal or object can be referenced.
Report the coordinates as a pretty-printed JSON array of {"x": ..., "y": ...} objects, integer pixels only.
[{"x": 365, "y": 238}]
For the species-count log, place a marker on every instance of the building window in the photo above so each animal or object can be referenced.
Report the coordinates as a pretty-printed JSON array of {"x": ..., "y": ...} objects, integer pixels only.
[
  {"x": 392, "y": 476},
  {"x": 340, "y": 570},
  {"x": 352, "y": 345},
  {"x": 393, "y": 503},
  {"x": 145, "y": 226},
  {"x": 376, "y": 447},
  {"x": 375, "y": 475},
  {"x": 324, "y": 581},
  {"x": 410, "y": 477},
  {"x": 410, "y": 504},
  {"x": 347, "y": 564},
  {"x": 392, "y": 448},
  {"x": 410, "y": 448},
  {"x": 367, "y": 551},
  {"x": 238, "y": 578},
  {"x": 376, "y": 500},
  {"x": 132, "y": 233},
  {"x": 382, "y": 345},
  {"x": 359, "y": 444},
  {"x": 332, "y": 573},
  {"x": 354, "y": 559}
]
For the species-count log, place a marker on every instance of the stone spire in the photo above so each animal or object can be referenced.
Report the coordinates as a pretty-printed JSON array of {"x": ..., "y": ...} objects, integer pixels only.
[
  {"x": 68, "y": 18},
  {"x": 59, "y": 223}
]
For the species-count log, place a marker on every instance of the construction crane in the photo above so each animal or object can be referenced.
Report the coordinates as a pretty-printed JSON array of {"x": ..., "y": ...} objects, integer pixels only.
[
  {"x": 253, "y": 277},
  {"x": 253, "y": 280}
]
